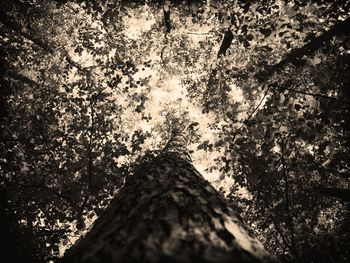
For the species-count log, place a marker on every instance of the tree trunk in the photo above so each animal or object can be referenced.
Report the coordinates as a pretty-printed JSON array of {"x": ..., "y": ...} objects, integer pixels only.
[{"x": 167, "y": 212}]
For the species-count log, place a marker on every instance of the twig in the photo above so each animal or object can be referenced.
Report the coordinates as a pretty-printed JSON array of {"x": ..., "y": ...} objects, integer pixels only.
[
  {"x": 90, "y": 164},
  {"x": 279, "y": 231},
  {"x": 286, "y": 193},
  {"x": 311, "y": 94},
  {"x": 251, "y": 114},
  {"x": 277, "y": 241},
  {"x": 199, "y": 34}
]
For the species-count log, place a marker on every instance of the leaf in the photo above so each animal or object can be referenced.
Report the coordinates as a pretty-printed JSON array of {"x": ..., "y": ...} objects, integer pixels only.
[
  {"x": 245, "y": 43},
  {"x": 315, "y": 61},
  {"x": 265, "y": 31},
  {"x": 249, "y": 37},
  {"x": 297, "y": 106},
  {"x": 192, "y": 125},
  {"x": 219, "y": 143},
  {"x": 200, "y": 146},
  {"x": 283, "y": 129}
]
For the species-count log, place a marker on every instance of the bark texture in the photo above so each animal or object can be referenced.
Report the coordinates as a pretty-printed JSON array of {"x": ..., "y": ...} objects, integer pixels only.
[{"x": 167, "y": 212}]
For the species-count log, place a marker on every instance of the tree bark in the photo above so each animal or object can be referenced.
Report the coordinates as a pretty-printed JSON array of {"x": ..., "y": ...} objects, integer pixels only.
[{"x": 167, "y": 212}]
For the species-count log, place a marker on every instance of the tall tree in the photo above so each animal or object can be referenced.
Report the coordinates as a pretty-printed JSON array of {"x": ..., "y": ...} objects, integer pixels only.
[
  {"x": 261, "y": 86},
  {"x": 167, "y": 212}
]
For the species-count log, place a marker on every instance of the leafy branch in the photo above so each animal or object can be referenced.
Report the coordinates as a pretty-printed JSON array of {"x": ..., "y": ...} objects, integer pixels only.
[{"x": 294, "y": 57}]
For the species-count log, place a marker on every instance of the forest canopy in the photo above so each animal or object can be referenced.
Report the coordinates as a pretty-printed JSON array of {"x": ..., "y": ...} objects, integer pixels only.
[{"x": 260, "y": 89}]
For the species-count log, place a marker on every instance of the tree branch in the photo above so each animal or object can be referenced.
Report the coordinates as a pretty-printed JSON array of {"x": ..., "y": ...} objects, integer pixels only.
[
  {"x": 281, "y": 245},
  {"x": 286, "y": 194},
  {"x": 167, "y": 21},
  {"x": 316, "y": 95},
  {"x": 47, "y": 188},
  {"x": 250, "y": 115},
  {"x": 22, "y": 78},
  {"x": 226, "y": 43},
  {"x": 294, "y": 57},
  {"x": 23, "y": 31},
  {"x": 90, "y": 162},
  {"x": 343, "y": 194},
  {"x": 46, "y": 142},
  {"x": 279, "y": 231}
]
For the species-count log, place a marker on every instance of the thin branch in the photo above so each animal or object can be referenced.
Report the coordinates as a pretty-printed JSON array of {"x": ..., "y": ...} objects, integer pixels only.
[
  {"x": 341, "y": 193},
  {"x": 90, "y": 162},
  {"x": 26, "y": 33},
  {"x": 250, "y": 115},
  {"x": 294, "y": 57},
  {"x": 279, "y": 231},
  {"x": 199, "y": 33},
  {"x": 47, "y": 188},
  {"x": 287, "y": 200},
  {"x": 162, "y": 62},
  {"x": 282, "y": 246},
  {"x": 316, "y": 95},
  {"x": 51, "y": 156},
  {"x": 167, "y": 24},
  {"x": 167, "y": 21},
  {"x": 83, "y": 204},
  {"x": 22, "y": 78},
  {"x": 69, "y": 59}
]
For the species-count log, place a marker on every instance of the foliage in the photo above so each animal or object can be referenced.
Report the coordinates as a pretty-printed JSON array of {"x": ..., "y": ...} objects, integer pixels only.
[{"x": 86, "y": 92}]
